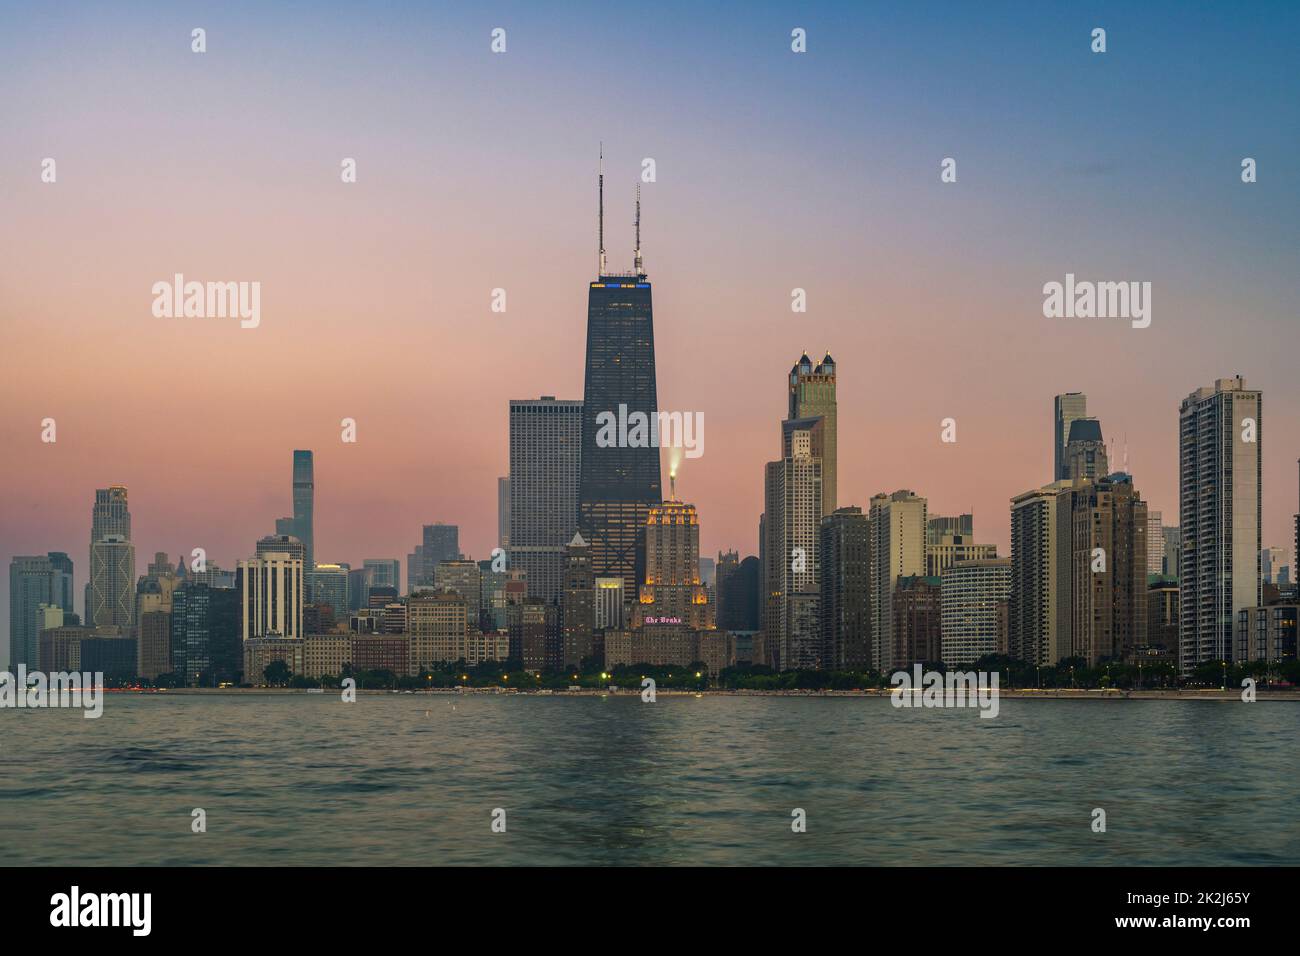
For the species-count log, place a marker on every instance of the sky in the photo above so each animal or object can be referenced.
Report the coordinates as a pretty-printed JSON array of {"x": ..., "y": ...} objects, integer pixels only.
[{"x": 476, "y": 170}]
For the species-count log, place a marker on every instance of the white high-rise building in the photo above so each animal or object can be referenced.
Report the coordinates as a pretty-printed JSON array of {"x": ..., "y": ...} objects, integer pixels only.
[
  {"x": 272, "y": 587},
  {"x": 1220, "y": 468},
  {"x": 1155, "y": 542},
  {"x": 898, "y": 527},
  {"x": 973, "y": 597}
]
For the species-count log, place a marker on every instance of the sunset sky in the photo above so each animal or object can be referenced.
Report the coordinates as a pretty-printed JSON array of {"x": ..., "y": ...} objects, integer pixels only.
[{"x": 478, "y": 170}]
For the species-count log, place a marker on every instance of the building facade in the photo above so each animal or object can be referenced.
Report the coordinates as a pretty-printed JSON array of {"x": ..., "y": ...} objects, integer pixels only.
[
  {"x": 898, "y": 529},
  {"x": 1220, "y": 469},
  {"x": 545, "y": 469}
]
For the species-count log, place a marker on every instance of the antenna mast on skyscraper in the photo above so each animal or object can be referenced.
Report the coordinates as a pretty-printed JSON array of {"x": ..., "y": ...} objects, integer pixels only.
[
  {"x": 603, "y": 270},
  {"x": 636, "y": 261}
]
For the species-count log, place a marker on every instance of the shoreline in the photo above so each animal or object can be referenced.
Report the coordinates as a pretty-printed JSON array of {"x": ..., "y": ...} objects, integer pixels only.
[{"x": 1209, "y": 694}]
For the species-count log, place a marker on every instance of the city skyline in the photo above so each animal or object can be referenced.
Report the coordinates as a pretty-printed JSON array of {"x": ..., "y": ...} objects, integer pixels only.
[{"x": 929, "y": 310}]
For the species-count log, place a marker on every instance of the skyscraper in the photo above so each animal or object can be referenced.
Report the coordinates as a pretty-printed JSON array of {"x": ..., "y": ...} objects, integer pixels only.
[
  {"x": 304, "y": 507},
  {"x": 972, "y": 595},
  {"x": 1042, "y": 556},
  {"x": 465, "y": 578},
  {"x": 206, "y": 648},
  {"x": 112, "y": 582},
  {"x": 30, "y": 581},
  {"x": 846, "y": 589},
  {"x": 328, "y": 584},
  {"x": 898, "y": 526},
  {"x": 917, "y": 630},
  {"x": 1067, "y": 408},
  {"x": 948, "y": 540},
  {"x": 578, "y": 610},
  {"x": 620, "y": 479},
  {"x": 271, "y": 588},
  {"x": 503, "y": 512},
  {"x": 791, "y": 636},
  {"x": 110, "y": 590},
  {"x": 1155, "y": 542},
  {"x": 384, "y": 573},
  {"x": 1220, "y": 468},
  {"x": 545, "y": 457},
  {"x": 1109, "y": 596},
  {"x": 812, "y": 395},
  {"x": 1085, "y": 451},
  {"x": 110, "y": 514},
  {"x": 61, "y": 589}
]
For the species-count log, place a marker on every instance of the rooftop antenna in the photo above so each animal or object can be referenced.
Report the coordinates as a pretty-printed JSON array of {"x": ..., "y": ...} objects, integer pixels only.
[
  {"x": 603, "y": 270},
  {"x": 636, "y": 262}
]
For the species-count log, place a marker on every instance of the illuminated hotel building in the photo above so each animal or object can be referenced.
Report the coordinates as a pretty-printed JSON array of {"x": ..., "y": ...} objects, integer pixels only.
[{"x": 671, "y": 591}]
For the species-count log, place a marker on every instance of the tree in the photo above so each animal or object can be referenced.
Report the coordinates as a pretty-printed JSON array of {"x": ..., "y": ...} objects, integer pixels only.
[{"x": 277, "y": 674}]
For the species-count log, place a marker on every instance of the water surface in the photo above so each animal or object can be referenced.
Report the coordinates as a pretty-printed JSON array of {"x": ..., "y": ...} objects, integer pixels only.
[{"x": 414, "y": 779}]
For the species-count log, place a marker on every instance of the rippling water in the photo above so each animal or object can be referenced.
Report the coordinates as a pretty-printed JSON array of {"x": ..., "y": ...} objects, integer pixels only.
[{"x": 410, "y": 779}]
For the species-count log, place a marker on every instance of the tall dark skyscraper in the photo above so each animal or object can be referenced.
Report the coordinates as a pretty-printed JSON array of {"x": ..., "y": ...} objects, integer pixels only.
[
  {"x": 304, "y": 505},
  {"x": 619, "y": 480}
]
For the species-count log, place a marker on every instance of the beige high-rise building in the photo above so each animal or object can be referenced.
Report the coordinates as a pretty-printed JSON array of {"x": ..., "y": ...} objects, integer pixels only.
[
  {"x": 949, "y": 540},
  {"x": 465, "y": 578},
  {"x": 437, "y": 623},
  {"x": 791, "y": 555},
  {"x": 1042, "y": 559},
  {"x": 154, "y": 643},
  {"x": 326, "y": 654},
  {"x": 812, "y": 395},
  {"x": 898, "y": 528},
  {"x": 1110, "y": 570},
  {"x": 1155, "y": 542}
]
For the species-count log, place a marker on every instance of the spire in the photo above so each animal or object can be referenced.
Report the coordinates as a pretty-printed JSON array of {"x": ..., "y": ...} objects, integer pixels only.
[
  {"x": 636, "y": 260},
  {"x": 601, "y": 181}
]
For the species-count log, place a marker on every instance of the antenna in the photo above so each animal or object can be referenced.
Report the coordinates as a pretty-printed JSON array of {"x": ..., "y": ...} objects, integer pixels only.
[
  {"x": 636, "y": 260},
  {"x": 601, "y": 180}
]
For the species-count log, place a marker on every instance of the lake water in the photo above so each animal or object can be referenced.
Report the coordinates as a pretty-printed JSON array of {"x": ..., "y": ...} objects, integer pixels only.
[{"x": 414, "y": 779}]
